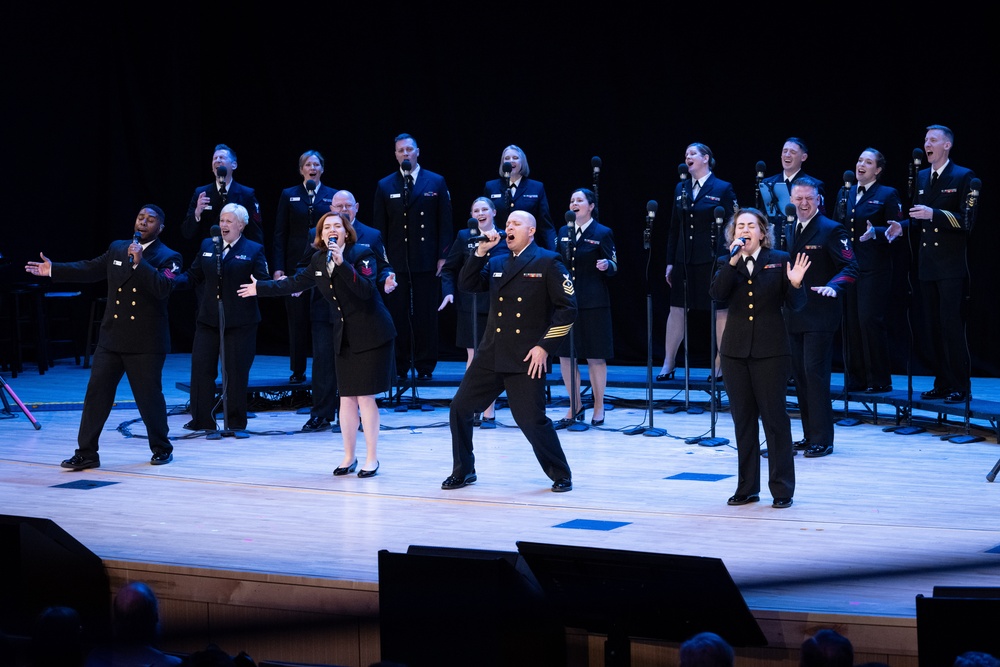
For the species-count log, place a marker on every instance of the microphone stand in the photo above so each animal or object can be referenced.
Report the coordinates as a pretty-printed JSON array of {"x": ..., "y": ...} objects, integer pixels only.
[
  {"x": 226, "y": 431},
  {"x": 712, "y": 440},
  {"x": 692, "y": 410},
  {"x": 4, "y": 387},
  {"x": 648, "y": 430},
  {"x": 412, "y": 371},
  {"x": 910, "y": 428},
  {"x": 575, "y": 401},
  {"x": 841, "y": 215}
]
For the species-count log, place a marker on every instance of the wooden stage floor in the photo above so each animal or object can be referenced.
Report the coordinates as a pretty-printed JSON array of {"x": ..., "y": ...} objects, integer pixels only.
[{"x": 883, "y": 519}]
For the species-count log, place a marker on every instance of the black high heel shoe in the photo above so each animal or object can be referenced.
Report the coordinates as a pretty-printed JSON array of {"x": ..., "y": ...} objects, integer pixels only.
[
  {"x": 564, "y": 423},
  {"x": 368, "y": 473},
  {"x": 344, "y": 471},
  {"x": 663, "y": 377}
]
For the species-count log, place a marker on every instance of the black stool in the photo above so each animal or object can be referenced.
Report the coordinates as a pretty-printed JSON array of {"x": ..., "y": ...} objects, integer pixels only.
[
  {"x": 64, "y": 324},
  {"x": 27, "y": 326}
]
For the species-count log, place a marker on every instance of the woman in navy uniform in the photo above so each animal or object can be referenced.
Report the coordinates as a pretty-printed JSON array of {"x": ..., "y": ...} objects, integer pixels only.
[
  {"x": 345, "y": 274},
  {"x": 690, "y": 253},
  {"x": 526, "y": 194},
  {"x": 472, "y": 308},
  {"x": 241, "y": 258},
  {"x": 758, "y": 281},
  {"x": 588, "y": 249}
]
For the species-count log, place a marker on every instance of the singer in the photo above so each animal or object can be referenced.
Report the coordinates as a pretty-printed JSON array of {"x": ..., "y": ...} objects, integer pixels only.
[
  {"x": 135, "y": 334},
  {"x": 299, "y": 207},
  {"x": 345, "y": 274},
  {"x": 872, "y": 217},
  {"x": 241, "y": 258},
  {"x": 325, "y": 401},
  {"x": 690, "y": 255},
  {"x": 777, "y": 188},
  {"x": 472, "y": 309},
  {"x": 811, "y": 329},
  {"x": 758, "y": 281},
  {"x": 588, "y": 248},
  {"x": 412, "y": 211},
  {"x": 526, "y": 194},
  {"x": 208, "y": 200},
  {"x": 937, "y": 215},
  {"x": 532, "y": 308}
]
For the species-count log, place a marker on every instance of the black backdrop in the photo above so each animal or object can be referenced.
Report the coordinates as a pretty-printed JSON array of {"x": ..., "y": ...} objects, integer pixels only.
[{"x": 108, "y": 112}]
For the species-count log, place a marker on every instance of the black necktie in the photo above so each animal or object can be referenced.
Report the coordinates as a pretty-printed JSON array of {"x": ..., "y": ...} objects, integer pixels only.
[
  {"x": 861, "y": 193},
  {"x": 409, "y": 182},
  {"x": 934, "y": 176},
  {"x": 749, "y": 263},
  {"x": 225, "y": 251},
  {"x": 788, "y": 184},
  {"x": 798, "y": 231},
  {"x": 513, "y": 189},
  {"x": 223, "y": 194}
]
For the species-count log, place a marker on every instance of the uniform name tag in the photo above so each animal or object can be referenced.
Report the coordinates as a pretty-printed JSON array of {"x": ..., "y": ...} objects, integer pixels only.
[
  {"x": 207, "y": 254},
  {"x": 118, "y": 262},
  {"x": 395, "y": 196},
  {"x": 295, "y": 199},
  {"x": 498, "y": 274},
  {"x": 318, "y": 273}
]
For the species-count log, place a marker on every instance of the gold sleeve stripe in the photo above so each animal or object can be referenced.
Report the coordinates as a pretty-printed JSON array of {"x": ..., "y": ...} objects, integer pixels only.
[
  {"x": 558, "y": 332},
  {"x": 952, "y": 219}
]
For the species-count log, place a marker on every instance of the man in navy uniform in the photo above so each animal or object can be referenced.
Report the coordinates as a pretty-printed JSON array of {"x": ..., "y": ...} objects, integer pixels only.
[{"x": 532, "y": 309}]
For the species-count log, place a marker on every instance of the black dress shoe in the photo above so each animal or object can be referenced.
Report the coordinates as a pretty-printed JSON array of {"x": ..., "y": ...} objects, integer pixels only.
[
  {"x": 368, "y": 473},
  {"x": 562, "y": 485},
  {"x": 742, "y": 500},
  {"x": 801, "y": 444},
  {"x": 718, "y": 378},
  {"x": 663, "y": 377},
  {"x": 316, "y": 424},
  {"x": 879, "y": 389},
  {"x": 77, "y": 462},
  {"x": 161, "y": 459},
  {"x": 561, "y": 424},
  {"x": 296, "y": 379},
  {"x": 782, "y": 503},
  {"x": 815, "y": 451},
  {"x": 191, "y": 426},
  {"x": 957, "y": 397},
  {"x": 488, "y": 422},
  {"x": 337, "y": 472},
  {"x": 935, "y": 394},
  {"x": 454, "y": 482}
]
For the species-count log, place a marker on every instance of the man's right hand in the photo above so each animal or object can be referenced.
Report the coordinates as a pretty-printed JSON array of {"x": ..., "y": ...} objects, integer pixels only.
[{"x": 42, "y": 268}]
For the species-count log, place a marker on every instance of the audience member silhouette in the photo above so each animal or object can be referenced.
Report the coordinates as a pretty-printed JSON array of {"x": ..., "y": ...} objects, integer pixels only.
[
  {"x": 136, "y": 626},
  {"x": 827, "y": 648},
  {"x": 706, "y": 649},
  {"x": 57, "y": 639},
  {"x": 976, "y": 659}
]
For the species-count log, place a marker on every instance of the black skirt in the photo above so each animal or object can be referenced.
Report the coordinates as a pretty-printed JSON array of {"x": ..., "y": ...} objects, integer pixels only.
[
  {"x": 365, "y": 373},
  {"x": 592, "y": 335}
]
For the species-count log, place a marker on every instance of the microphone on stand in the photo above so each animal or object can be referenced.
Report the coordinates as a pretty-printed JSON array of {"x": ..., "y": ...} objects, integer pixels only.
[
  {"x": 969, "y": 211},
  {"x": 918, "y": 156},
  {"x": 216, "y": 233},
  {"x": 570, "y": 218},
  {"x": 841, "y": 212},
  {"x": 220, "y": 173},
  {"x": 507, "y": 196},
  {"x": 761, "y": 168},
  {"x": 405, "y": 166},
  {"x": 137, "y": 237},
  {"x": 790, "y": 217},
  {"x": 595, "y": 163},
  {"x": 682, "y": 171},
  {"x": 651, "y": 207},
  {"x": 720, "y": 215}
]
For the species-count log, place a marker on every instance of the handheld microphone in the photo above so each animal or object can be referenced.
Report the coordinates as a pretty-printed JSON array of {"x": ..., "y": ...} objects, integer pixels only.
[
  {"x": 595, "y": 162},
  {"x": 971, "y": 201},
  {"x": 736, "y": 250},
  {"x": 330, "y": 242},
  {"x": 475, "y": 235},
  {"x": 137, "y": 237},
  {"x": 761, "y": 168}
]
